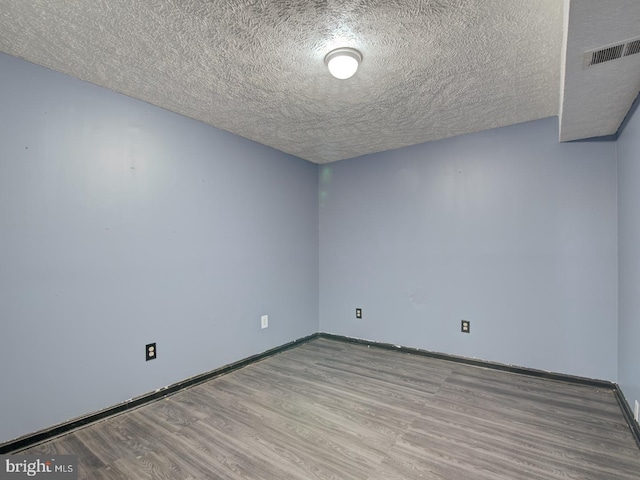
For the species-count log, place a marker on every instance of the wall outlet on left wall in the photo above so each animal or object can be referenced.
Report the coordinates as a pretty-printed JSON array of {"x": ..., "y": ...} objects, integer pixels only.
[{"x": 150, "y": 351}]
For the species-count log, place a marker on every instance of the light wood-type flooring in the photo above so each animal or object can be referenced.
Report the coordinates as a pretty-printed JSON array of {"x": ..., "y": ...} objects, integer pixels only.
[{"x": 332, "y": 410}]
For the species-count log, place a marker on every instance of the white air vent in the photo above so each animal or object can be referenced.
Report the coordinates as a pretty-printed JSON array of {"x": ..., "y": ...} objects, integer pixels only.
[{"x": 613, "y": 52}]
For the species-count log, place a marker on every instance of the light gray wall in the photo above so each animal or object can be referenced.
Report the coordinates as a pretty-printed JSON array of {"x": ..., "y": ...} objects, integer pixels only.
[
  {"x": 506, "y": 228},
  {"x": 123, "y": 224},
  {"x": 629, "y": 259}
]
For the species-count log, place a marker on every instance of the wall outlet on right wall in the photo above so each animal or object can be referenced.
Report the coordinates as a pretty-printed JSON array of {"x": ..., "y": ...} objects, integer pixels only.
[
  {"x": 636, "y": 411},
  {"x": 465, "y": 326}
]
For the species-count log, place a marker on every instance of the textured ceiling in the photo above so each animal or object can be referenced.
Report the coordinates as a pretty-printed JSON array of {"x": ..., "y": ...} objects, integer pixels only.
[
  {"x": 432, "y": 68},
  {"x": 596, "y": 99}
]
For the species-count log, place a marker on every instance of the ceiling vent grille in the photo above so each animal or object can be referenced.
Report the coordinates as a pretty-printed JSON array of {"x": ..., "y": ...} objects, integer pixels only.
[
  {"x": 632, "y": 48},
  {"x": 613, "y": 52}
]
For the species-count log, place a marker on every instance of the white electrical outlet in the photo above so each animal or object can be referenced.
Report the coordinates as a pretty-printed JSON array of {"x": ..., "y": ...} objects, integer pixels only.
[
  {"x": 636, "y": 411},
  {"x": 264, "y": 321}
]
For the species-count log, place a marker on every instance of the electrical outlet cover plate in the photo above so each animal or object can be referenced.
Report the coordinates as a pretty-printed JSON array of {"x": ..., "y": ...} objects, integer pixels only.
[
  {"x": 636, "y": 411},
  {"x": 150, "y": 352},
  {"x": 264, "y": 321},
  {"x": 465, "y": 326},
  {"x": 358, "y": 313}
]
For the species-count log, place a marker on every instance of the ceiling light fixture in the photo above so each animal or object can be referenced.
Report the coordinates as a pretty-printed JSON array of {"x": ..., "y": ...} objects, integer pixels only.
[{"x": 343, "y": 62}]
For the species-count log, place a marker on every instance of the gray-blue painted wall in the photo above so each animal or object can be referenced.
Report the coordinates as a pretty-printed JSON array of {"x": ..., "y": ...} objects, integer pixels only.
[
  {"x": 506, "y": 228},
  {"x": 629, "y": 259},
  {"x": 123, "y": 224}
]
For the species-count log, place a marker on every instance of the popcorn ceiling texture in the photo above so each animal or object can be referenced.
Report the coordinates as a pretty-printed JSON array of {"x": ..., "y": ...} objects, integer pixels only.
[
  {"x": 432, "y": 68},
  {"x": 596, "y": 99}
]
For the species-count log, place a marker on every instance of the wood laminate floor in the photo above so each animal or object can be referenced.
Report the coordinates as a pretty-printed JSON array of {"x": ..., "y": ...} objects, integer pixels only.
[{"x": 331, "y": 410}]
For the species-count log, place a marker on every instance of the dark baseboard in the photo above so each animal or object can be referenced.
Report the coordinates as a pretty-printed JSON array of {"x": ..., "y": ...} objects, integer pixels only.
[
  {"x": 532, "y": 372},
  {"x": 32, "y": 439},
  {"x": 628, "y": 415}
]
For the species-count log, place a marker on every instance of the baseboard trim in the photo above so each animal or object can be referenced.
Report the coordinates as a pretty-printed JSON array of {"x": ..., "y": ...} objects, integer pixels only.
[
  {"x": 628, "y": 415},
  {"x": 532, "y": 372},
  {"x": 26, "y": 441},
  {"x": 32, "y": 439}
]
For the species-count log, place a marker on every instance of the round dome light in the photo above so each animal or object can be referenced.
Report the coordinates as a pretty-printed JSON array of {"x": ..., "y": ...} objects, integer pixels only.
[{"x": 343, "y": 62}]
